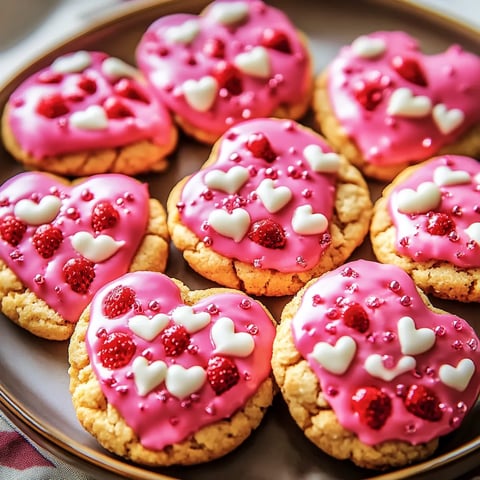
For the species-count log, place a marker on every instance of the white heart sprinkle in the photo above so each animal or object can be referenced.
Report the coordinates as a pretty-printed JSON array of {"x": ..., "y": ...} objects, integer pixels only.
[
  {"x": 74, "y": 63},
  {"x": 230, "y": 181},
  {"x": 181, "y": 382},
  {"x": 147, "y": 376},
  {"x": 115, "y": 68},
  {"x": 403, "y": 103},
  {"x": 444, "y": 175},
  {"x": 228, "y": 13},
  {"x": 228, "y": 342},
  {"x": 148, "y": 328},
  {"x": 375, "y": 367},
  {"x": 273, "y": 198},
  {"x": 320, "y": 161},
  {"x": 457, "y": 377},
  {"x": 473, "y": 231},
  {"x": 184, "y": 33},
  {"x": 427, "y": 197},
  {"x": 414, "y": 341},
  {"x": 447, "y": 120},
  {"x": 38, "y": 213},
  {"x": 93, "y": 118},
  {"x": 232, "y": 225},
  {"x": 368, "y": 47},
  {"x": 200, "y": 94},
  {"x": 255, "y": 62},
  {"x": 193, "y": 322},
  {"x": 96, "y": 249},
  {"x": 335, "y": 358},
  {"x": 305, "y": 222}
]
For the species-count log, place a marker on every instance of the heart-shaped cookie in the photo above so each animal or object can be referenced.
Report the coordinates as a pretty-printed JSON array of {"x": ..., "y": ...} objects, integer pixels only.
[{"x": 172, "y": 361}]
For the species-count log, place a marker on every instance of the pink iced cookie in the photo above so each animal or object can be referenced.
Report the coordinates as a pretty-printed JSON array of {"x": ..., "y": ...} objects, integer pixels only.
[
  {"x": 187, "y": 371},
  {"x": 59, "y": 243},
  {"x": 237, "y": 60},
  {"x": 398, "y": 106},
  {"x": 88, "y": 113},
  {"x": 270, "y": 209},
  {"x": 396, "y": 372}
]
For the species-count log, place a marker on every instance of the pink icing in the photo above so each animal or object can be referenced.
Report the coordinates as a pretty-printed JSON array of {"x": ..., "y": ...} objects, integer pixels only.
[
  {"x": 44, "y": 276},
  {"x": 42, "y": 136},
  {"x": 159, "y": 418},
  {"x": 387, "y": 294},
  {"x": 386, "y": 139},
  {"x": 461, "y": 201},
  {"x": 290, "y": 168},
  {"x": 168, "y": 64}
]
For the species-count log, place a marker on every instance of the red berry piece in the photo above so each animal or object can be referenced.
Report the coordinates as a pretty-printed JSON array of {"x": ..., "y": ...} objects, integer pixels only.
[
  {"x": 354, "y": 316},
  {"x": 228, "y": 77},
  {"x": 87, "y": 84},
  {"x": 268, "y": 234},
  {"x": 276, "y": 39},
  {"x": 409, "y": 69},
  {"x": 175, "y": 340},
  {"x": 47, "y": 239},
  {"x": 260, "y": 147},
  {"x": 369, "y": 90},
  {"x": 222, "y": 374},
  {"x": 118, "y": 301},
  {"x": 104, "y": 216},
  {"x": 439, "y": 223},
  {"x": 52, "y": 106},
  {"x": 49, "y": 76},
  {"x": 422, "y": 402},
  {"x": 126, "y": 88},
  {"x": 372, "y": 406},
  {"x": 79, "y": 274},
  {"x": 116, "y": 109},
  {"x": 214, "y": 47},
  {"x": 117, "y": 349},
  {"x": 12, "y": 229}
]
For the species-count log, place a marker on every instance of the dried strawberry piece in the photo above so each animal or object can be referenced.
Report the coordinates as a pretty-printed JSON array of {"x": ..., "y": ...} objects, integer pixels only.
[
  {"x": 12, "y": 229},
  {"x": 409, "y": 69},
  {"x": 47, "y": 239},
  {"x": 118, "y": 301},
  {"x": 175, "y": 340},
  {"x": 369, "y": 90},
  {"x": 222, "y": 374},
  {"x": 126, "y": 88},
  {"x": 439, "y": 223},
  {"x": 228, "y": 77},
  {"x": 87, "y": 84},
  {"x": 276, "y": 39},
  {"x": 79, "y": 273},
  {"x": 423, "y": 403},
  {"x": 260, "y": 147},
  {"x": 104, "y": 216},
  {"x": 114, "y": 108},
  {"x": 267, "y": 233},
  {"x": 52, "y": 106},
  {"x": 116, "y": 350},
  {"x": 355, "y": 316},
  {"x": 372, "y": 406},
  {"x": 214, "y": 47}
]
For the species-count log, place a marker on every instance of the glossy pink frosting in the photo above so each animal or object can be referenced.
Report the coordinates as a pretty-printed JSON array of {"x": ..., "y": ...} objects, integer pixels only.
[
  {"x": 160, "y": 418},
  {"x": 387, "y": 294},
  {"x": 42, "y": 136},
  {"x": 289, "y": 169},
  {"x": 383, "y": 138},
  {"x": 168, "y": 64},
  {"x": 460, "y": 200},
  {"x": 44, "y": 276}
]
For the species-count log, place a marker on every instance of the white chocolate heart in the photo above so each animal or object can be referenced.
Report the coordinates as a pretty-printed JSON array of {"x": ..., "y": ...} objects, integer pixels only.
[
  {"x": 414, "y": 341},
  {"x": 96, "y": 249},
  {"x": 148, "y": 328},
  {"x": 92, "y": 118},
  {"x": 403, "y": 103},
  {"x": 273, "y": 198},
  {"x": 444, "y": 175},
  {"x": 148, "y": 376},
  {"x": 335, "y": 358},
  {"x": 182, "y": 382},
  {"x": 230, "y": 181},
  {"x": 427, "y": 197},
  {"x": 305, "y": 222},
  {"x": 74, "y": 63},
  {"x": 232, "y": 225},
  {"x": 368, "y": 47},
  {"x": 255, "y": 62},
  {"x": 473, "y": 231},
  {"x": 184, "y": 33},
  {"x": 320, "y": 161},
  {"x": 38, "y": 213},
  {"x": 229, "y": 342},
  {"x": 447, "y": 120},
  {"x": 200, "y": 94},
  {"x": 228, "y": 13},
  {"x": 115, "y": 68},
  {"x": 193, "y": 322},
  {"x": 375, "y": 367},
  {"x": 457, "y": 377}
]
